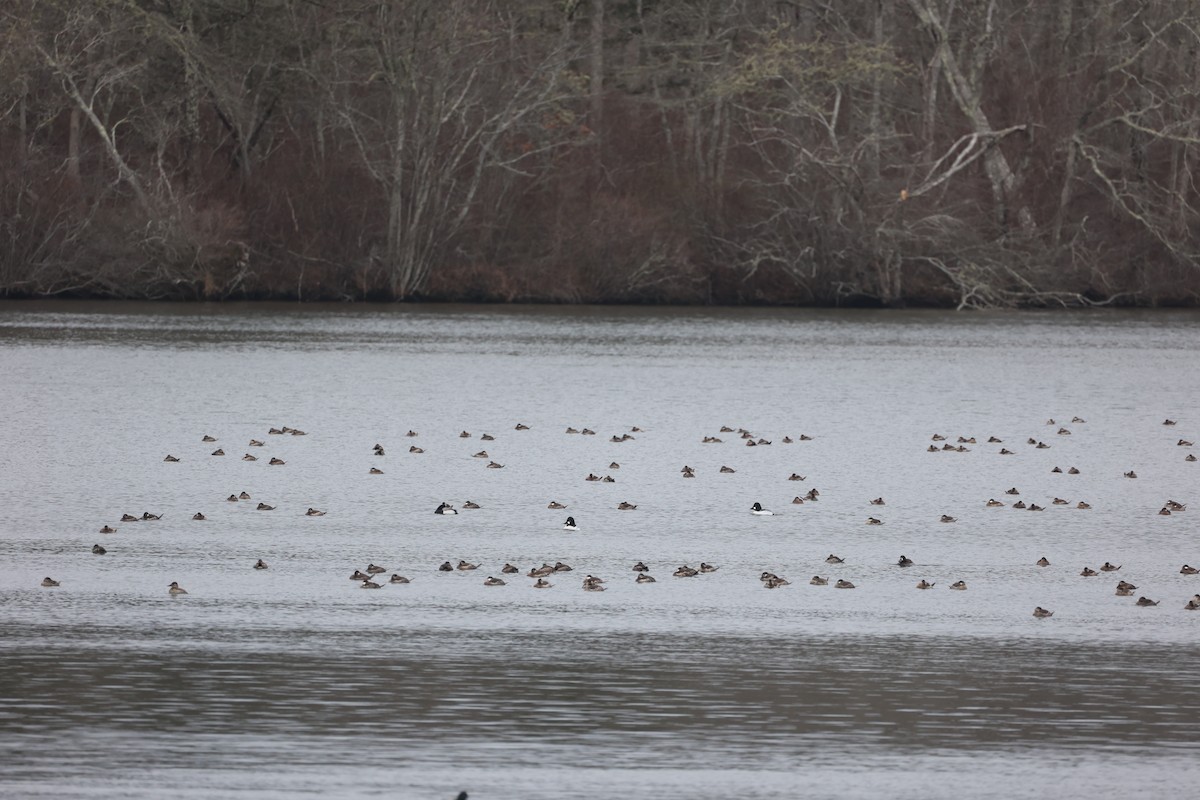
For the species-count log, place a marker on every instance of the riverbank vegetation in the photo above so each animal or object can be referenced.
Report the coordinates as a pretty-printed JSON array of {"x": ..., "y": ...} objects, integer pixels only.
[{"x": 965, "y": 153}]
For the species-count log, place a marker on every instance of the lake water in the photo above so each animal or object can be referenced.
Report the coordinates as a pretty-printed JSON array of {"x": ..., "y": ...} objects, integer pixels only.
[{"x": 294, "y": 681}]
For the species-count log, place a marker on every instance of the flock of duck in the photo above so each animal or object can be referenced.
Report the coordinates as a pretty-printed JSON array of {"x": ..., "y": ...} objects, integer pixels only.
[{"x": 369, "y": 577}]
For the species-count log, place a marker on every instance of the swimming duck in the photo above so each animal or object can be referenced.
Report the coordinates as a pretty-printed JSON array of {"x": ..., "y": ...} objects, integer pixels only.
[
  {"x": 1190, "y": 457},
  {"x": 445, "y": 509},
  {"x": 1019, "y": 504},
  {"x": 207, "y": 438},
  {"x": 1031, "y": 440},
  {"x": 1107, "y": 567},
  {"x": 255, "y": 443},
  {"x": 555, "y": 504},
  {"x": 369, "y": 585},
  {"x": 276, "y": 462},
  {"x": 686, "y": 572},
  {"x": 1146, "y": 601},
  {"x": 959, "y": 585},
  {"x": 464, "y": 435},
  {"x": 797, "y": 501},
  {"x": 175, "y": 589},
  {"x": 817, "y": 580},
  {"x": 593, "y": 579},
  {"x": 199, "y": 517},
  {"x": 592, "y": 477},
  {"x": 1078, "y": 420},
  {"x": 170, "y": 458},
  {"x": 265, "y": 507},
  {"x": 1043, "y": 562},
  {"x": 572, "y": 430},
  {"x": 611, "y": 479},
  {"x": 968, "y": 440},
  {"x": 874, "y": 521},
  {"x": 787, "y": 440},
  {"x": 487, "y": 437},
  {"x": 1063, "y": 432},
  {"x": 243, "y": 496},
  {"x": 108, "y": 529},
  {"x": 727, "y": 470},
  {"x": 398, "y": 579},
  {"x": 640, "y": 567},
  {"x": 1168, "y": 422},
  {"x": 469, "y": 504},
  {"x": 415, "y": 449},
  {"x": 218, "y": 452},
  {"x": 1013, "y": 490},
  {"x": 1131, "y": 474},
  {"x": 710, "y": 440},
  {"x": 275, "y": 432},
  {"x": 841, "y": 584},
  {"x": 924, "y": 584},
  {"x": 540, "y": 572},
  {"x": 774, "y": 583},
  {"x": 751, "y": 443},
  {"x": 481, "y": 454},
  {"x": 707, "y": 568},
  {"x": 937, "y": 437},
  {"x": 1058, "y": 501},
  {"x": 614, "y": 465},
  {"x": 587, "y": 432},
  {"x": 542, "y": 583},
  {"x": 49, "y": 582},
  {"x": 1035, "y": 507},
  {"x": 521, "y": 427},
  {"x": 1121, "y": 592},
  {"x": 1192, "y": 605},
  {"x": 98, "y": 550},
  {"x": 373, "y": 569},
  {"x": 948, "y": 518},
  {"x": 297, "y": 432},
  {"x": 128, "y": 518},
  {"x": 1174, "y": 506},
  {"x": 832, "y": 559},
  {"x": 813, "y": 494},
  {"x": 878, "y": 501},
  {"x": 1186, "y": 570},
  {"x": 905, "y": 561},
  {"x": 146, "y": 515},
  {"x": 644, "y": 578},
  {"x": 1004, "y": 451},
  {"x": 1072, "y": 471},
  {"x": 1042, "y": 613},
  {"x": 359, "y": 575},
  {"x": 1042, "y": 446},
  {"x": 758, "y": 510},
  {"x": 1083, "y": 505},
  {"x": 493, "y": 582},
  {"x": 446, "y": 567},
  {"x": 509, "y": 569},
  {"x": 795, "y": 477},
  {"x": 1088, "y": 572},
  {"x": 260, "y": 564},
  {"x": 561, "y": 567},
  {"x": 626, "y": 506},
  {"x": 994, "y": 440},
  {"x": 1164, "y": 512},
  {"x": 932, "y": 449},
  {"x": 994, "y": 504},
  {"x": 312, "y": 512},
  {"x": 465, "y": 565},
  {"x": 374, "y": 471},
  {"x": 248, "y": 457},
  {"x": 726, "y": 429},
  {"x": 1125, "y": 585},
  {"x": 411, "y": 433},
  {"x": 570, "y": 525},
  {"x": 1056, "y": 470}
]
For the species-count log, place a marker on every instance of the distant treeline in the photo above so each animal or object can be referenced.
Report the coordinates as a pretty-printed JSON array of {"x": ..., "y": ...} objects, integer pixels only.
[{"x": 967, "y": 153}]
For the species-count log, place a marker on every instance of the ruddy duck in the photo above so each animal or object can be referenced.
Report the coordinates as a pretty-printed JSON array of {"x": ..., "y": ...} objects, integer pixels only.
[
  {"x": 264, "y": 507},
  {"x": 542, "y": 583},
  {"x": 359, "y": 576},
  {"x": 276, "y": 462},
  {"x": 481, "y": 454},
  {"x": 727, "y": 470},
  {"x": 1013, "y": 490},
  {"x": 555, "y": 504},
  {"x": 108, "y": 529},
  {"x": 832, "y": 559},
  {"x": 1082, "y": 505},
  {"x": 1019, "y": 504},
  {"x": 312, "y": 512},
  {"x": 841, "y": 584},
  {"x": 640, "y": 567},
  {"x": 260, "y": 564},
  {"x": 509, "y": 569},
  {"x": 218, "y": 452},
  {"x": 446, "y": 567},
  {"x": 398, "y": 579},
  {"x": 493, "y": 582},
  {"x": 415, "y": 449},
  {"x": 1186, "y": 570},
  {"x": 471, "y": 505},
  {"x": 98, "y": 550},
  {"x": 626, "y": 507},
  {"x": 924, "y": 584},
  {"x": 874, "y": 521},
  {"x": 878, "y": 501},
  {"x": 1146, "y": 601},
  {"x": 959, "y": 585},
  {"x": 644, "y": 578},
  {"x": 686, "y": 572},
  {"x": 375, "y": 471},
  {"x": 369, "y": 585},
  {"x": 994, "y": 504},
  {"x": 175, "y": 589},
  {"x": 128, "y": 518},
  {"x": 905, "y": 561},
  {"x": 243, "y": 496},
  {"x": 948, "y": 518},
  {"x": 373, "y": 569},
  {"x": 1131, "y": 474},
  {"x": 561, "y": 567},
  {"x": 521, "y": 427},
  {"x": 817, "y": 580},
  {"x": 1043, "y": 562},
  {"x": 1073, "y": 471},
  {"x": 1042, "y": 613},
  {"x": 1107, "y": 567},
  {"x": 487, "y": 437},
  {"x": 707, "y": 568},
  {"x": 465, "y": 565},
  {"x": 49, "y": 582},
  {"x": 170, "y": 458},
  {"x": 249, "y": 457},
  {"x": 1088, "y": 572}
]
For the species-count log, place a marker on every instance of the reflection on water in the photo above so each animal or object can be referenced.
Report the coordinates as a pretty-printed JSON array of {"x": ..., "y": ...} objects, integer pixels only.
[{"x": 293, "y": 680}]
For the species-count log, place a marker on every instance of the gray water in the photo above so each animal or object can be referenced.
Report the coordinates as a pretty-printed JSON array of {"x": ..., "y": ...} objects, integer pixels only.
[{"x": 295, "y": 681}]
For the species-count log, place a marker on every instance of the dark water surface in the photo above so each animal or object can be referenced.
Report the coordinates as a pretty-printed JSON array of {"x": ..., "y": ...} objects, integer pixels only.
[{"x": 294, "y": 681}]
